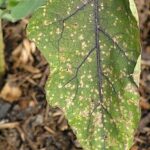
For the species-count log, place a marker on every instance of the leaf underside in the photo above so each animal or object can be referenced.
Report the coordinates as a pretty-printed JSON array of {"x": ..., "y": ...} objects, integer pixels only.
[{"x": 92, "y": 47}]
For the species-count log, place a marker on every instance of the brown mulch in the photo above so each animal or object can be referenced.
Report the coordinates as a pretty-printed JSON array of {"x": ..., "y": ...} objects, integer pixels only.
[
  {"x": 142, "y": 135},
  {"x": 27, "y": 122}
]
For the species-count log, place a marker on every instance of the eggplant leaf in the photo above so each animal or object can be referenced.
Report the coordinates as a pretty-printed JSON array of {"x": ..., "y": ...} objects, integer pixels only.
[{"x": 92, "y": 47}]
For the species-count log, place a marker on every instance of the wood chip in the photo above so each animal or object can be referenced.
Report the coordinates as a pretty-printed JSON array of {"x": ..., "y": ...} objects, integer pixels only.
[
  {"x": 49, "y": 130},
  {"x": 9, "y": 125},
  {"x": 10, "y": 92},
  {"x": 30, "y": 69}
]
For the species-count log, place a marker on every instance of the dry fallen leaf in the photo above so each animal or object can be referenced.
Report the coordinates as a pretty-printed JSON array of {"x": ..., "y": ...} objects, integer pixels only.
[
  {"x": 10, "y": 92},
  {"x": 134, "y": 147},
  {"x": 24, "y": 51}
]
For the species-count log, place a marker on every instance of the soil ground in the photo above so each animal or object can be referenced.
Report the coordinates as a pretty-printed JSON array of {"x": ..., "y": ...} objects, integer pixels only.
[{"x": 27, "y": 122}]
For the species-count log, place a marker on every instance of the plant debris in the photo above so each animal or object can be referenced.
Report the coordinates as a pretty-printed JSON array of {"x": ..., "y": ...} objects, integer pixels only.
[
  {"x": 27, "y": 122},
  {"x": 142, "y": 135}
]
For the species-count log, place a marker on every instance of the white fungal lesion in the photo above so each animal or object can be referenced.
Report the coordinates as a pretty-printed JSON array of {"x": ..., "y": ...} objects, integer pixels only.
[
  {"x": 58, "y": 31},
  {"x": 89, "y": 76},
  {"x": 89, "y": 59},
  {"x": 71, "y": 35},
  {"x": 81, "y": 37},
  {"x": 83, "y": 45},
  {"x": 60, "y": 86},
  {"x": 81, "y": 83}
]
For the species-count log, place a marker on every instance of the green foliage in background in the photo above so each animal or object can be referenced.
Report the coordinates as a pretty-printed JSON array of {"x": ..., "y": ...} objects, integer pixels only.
[
  {"x": 14, "y": 10},
  {"x": 92, "y": 47}
]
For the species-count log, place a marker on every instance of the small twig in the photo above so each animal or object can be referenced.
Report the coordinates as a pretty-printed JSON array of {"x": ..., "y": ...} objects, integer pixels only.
[
  {"x": 22, "y": 135},
  {"x": 46, "y": 113},
  {"x": 24, "y": 127},
  {"x": 49, "y": 130},
  {"x": 45, "y": 75},
  {"x": 61, "y": 118},
  {"x": 2, "y": 57},
  {"x": 145, "y": 62},
  {"x": 10, "y": 125}
]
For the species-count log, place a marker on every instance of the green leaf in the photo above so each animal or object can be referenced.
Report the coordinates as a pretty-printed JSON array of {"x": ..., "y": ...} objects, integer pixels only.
[
  {"x": 2, "y": 4},
  {"x": 12, "y": 3},
  {"x": 24, "y": 8},
  {"x": 134, "y": 9},
  {"x": 8, "y": 4},
  {"x": 92, "y": 47},
  {"x": 1, "y": 1}
]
